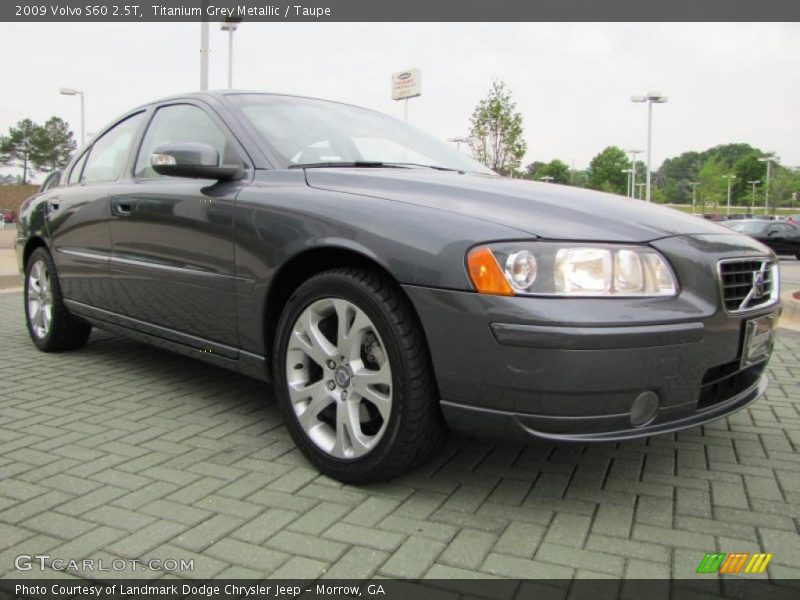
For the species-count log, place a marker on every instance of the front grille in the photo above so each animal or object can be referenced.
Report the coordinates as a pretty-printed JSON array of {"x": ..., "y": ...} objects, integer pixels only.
[
  {"x": 748, "y": 283},
  {"x": 723, "y": 382}
]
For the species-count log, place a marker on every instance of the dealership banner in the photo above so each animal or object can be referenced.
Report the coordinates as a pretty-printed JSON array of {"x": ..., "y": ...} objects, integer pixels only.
[
  {"x": 407, "y": 10},
  {"x": 393, "y": 589}
]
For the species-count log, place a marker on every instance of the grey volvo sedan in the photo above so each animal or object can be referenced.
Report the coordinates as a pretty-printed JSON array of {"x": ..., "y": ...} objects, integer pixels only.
[{"x": 390, "y": 286}]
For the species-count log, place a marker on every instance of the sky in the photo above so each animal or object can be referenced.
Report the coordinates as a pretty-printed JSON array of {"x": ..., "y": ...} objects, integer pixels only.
[{"x": 572, "y": 82}]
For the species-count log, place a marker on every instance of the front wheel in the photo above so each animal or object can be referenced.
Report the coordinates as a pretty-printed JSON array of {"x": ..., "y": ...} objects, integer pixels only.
[
  {"x": 353, "y": 376},
  {"x": 50, "y": 324}
]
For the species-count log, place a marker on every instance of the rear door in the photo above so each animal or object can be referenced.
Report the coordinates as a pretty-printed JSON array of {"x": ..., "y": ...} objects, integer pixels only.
[
  {"x": 78, "y": 213},
  {"x": 173, "y": 250}
]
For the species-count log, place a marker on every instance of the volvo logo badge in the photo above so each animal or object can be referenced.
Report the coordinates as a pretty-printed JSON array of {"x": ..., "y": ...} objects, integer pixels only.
[
  {"x": 342, "y": 377},
  {"x": 758, "y": 282}
]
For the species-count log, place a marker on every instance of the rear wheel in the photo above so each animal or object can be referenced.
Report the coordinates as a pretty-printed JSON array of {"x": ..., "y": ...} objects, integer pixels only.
[
  {"x": 50, "y": 324},
  {"x": 353, "y": 376}
]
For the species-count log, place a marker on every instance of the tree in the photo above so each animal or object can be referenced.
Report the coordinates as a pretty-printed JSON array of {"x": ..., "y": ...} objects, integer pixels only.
[
  {"x": 53, "y": 145},
  {"x": 556, "y": 171},
  {"x": 747, "y": 168},
  {"x": 496, "y": 131},
  {"x": 606, "y": 171},
  {"x": 713, "y": 186},
  {"x": 16, "y": 148}
]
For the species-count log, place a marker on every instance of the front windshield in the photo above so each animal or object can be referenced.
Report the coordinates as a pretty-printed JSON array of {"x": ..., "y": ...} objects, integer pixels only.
[
  {"x": 749, "y": 227},
  {"x": 304, "y": 131}
]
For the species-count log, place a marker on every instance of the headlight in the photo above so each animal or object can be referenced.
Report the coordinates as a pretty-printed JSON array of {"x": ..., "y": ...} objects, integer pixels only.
[{"x": 562, "y": 269}]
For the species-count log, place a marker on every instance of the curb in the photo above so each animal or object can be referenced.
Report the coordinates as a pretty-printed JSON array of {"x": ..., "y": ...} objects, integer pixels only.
[{"x": 10, "y": 281}]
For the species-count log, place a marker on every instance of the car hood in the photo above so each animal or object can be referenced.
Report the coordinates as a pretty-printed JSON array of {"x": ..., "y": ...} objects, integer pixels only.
[{"x": 544, "y": 210}]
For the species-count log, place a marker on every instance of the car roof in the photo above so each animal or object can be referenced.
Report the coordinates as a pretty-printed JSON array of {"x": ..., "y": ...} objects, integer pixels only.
[{"x": 222, "y": 94}]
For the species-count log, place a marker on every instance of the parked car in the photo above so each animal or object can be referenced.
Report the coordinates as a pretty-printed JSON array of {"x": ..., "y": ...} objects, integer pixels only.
[
  {"x": 782, "y": 236},
  {"x": 8, "y": 215},
  {"x": 389, "y": 285}
]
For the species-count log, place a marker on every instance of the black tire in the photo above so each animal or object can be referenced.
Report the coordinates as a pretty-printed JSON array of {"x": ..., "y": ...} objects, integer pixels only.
[
  {"x": 415, "y": 429},
  {"x": 65, "y": 332}
]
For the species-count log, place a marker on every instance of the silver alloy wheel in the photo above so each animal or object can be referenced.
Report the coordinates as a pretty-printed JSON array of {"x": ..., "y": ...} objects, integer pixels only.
[
  {"x": 40, "y": 299},
  {"x": 339, "y": 378}
]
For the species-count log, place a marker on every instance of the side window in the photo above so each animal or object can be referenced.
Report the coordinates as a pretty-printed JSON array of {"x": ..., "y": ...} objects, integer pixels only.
[
  {"x": 75, "y": 174},
  {"x": 107, "y": 156},
  {"x": 181, "y": 123}
]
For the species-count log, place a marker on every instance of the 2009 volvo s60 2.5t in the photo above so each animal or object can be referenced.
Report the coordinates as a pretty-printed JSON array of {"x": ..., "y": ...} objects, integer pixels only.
[{"x": 389, "y": 286}]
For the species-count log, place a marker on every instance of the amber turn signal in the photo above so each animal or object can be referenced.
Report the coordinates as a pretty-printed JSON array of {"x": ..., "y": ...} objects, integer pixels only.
[{"x": 486, "y": 274}]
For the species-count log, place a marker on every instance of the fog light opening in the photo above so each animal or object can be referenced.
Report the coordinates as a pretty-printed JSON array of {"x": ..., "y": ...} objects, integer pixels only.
[{"x": 644, "y": 408}]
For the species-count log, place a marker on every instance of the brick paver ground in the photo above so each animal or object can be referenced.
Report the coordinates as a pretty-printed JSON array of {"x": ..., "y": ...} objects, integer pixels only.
[{"x": 121, "y": 450}]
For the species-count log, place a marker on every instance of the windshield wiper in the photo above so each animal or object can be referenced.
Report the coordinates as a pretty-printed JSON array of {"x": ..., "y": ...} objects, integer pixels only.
[
  {"x": 354, "y": 164},
  {"x": 436, "y": 167},
  {"x": 369, "y": 164}
]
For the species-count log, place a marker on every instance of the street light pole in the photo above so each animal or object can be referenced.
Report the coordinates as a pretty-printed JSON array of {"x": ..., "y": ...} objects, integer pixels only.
[
  {"x": 694, "y": 185},
  {"x": 633, "y": 154},
  {"x": 730, "y": 179},
  {"x": 458, "y": 141},
  {"x": 230, "y": 26},
  {"x": 629, "y": 172},
  {"x": 650, "y": 98},
  {"x": 769, "y": 158},
  {"x": 204, "y": 55},
  {"x": 73, "y": 92},
  {"x": 754, "y": 183}
]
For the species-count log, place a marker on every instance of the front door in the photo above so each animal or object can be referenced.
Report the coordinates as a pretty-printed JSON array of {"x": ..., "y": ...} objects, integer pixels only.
[{"x": 173, "y": 253}]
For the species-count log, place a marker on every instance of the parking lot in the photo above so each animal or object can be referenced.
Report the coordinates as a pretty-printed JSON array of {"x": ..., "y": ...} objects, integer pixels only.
[{"x": 121, "y": 450}]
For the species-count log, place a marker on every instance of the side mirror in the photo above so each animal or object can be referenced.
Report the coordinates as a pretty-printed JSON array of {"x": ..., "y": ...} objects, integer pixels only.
[{"x": 198, "y": 161}]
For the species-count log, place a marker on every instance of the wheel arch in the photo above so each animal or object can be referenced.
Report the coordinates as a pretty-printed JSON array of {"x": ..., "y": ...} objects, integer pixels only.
[
  {"x": 32, "y": 244},
  {"x": 306, "y": 264}
]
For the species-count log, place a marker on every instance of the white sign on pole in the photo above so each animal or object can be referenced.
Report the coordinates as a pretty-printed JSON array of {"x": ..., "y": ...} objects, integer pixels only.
[{"x": 406, "y": 84}]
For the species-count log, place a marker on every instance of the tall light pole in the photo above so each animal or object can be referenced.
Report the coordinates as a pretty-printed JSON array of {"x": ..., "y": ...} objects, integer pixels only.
[
  {"x": 633, "y": 154},
  {"x": 458, "y": 141},
  {"x": 204, "y": 49},
  {"x": 769, "y": 159},
  {"x": 694, "y": 185},
  {"x": 629, "y": 191},
  {"x": 730, "y": 179},
  {"x": 754, "y": 183},
  {"x": 73, "y": 92},
  {"x": 650, "y": 98},
  {"x": 230, "y": 26}
]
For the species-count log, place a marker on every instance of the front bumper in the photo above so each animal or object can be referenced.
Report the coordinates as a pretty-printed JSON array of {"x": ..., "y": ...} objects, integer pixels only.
[{"x": 593, "y": 369}]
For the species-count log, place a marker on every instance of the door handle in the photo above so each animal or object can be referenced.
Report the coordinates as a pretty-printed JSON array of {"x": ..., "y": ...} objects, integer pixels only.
[{"x": 121, "y": 207}]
